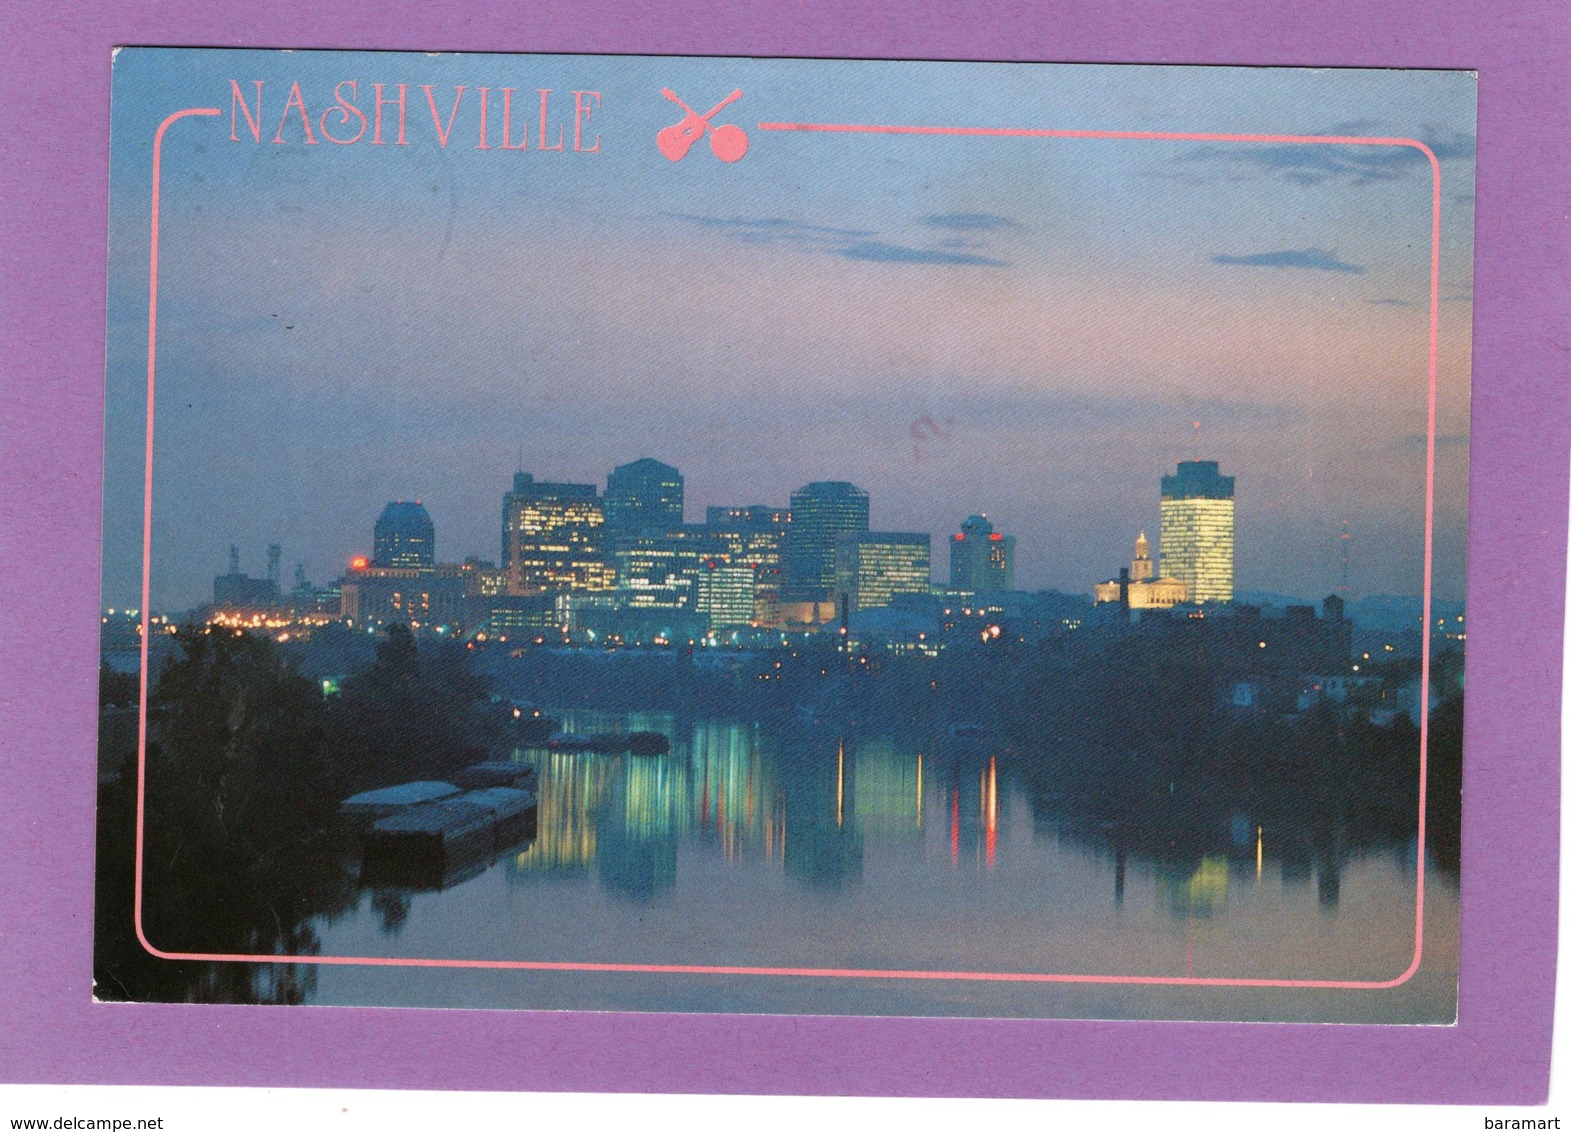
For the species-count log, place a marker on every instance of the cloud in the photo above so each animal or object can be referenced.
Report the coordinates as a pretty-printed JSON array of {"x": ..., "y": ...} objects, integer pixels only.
[
  {"x": 969, "y": 221},
  {"x": 878, "y": 252},
  {"x": 1313, "y": 164},
  {"x": 854, "y": 243},
  {"x": 1391, "y": 302},
  {"x": 760, "y": 229},
  {"x": 1024, "y": 407},
  {"x": 1312, "y": 259}
]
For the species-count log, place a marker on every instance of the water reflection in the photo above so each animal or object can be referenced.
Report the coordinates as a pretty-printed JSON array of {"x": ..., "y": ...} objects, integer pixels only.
[
  {"x": 807, "y": 803},
  {"x": 793, "y": 845}
]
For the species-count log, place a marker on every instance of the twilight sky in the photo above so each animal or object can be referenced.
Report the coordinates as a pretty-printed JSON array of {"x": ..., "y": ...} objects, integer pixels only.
[{"x": 1027, "y": 327}]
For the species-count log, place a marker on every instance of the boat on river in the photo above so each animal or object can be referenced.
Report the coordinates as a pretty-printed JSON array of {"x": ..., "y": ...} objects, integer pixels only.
[
  {"x": 372, "y": 805},
  {"x": 497, "y": 772},
  {"x": 477, "y": 823},
  {"x": 648, "y": 743}
]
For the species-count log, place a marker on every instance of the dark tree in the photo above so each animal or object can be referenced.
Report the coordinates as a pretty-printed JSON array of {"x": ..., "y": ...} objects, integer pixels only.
[
  {"x": 416, "y": 713},
  {"x": 239, "y": 852}
]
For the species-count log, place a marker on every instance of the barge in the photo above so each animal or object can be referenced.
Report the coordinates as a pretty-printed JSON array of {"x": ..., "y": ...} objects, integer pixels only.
[{"x": 442, "y": 832}]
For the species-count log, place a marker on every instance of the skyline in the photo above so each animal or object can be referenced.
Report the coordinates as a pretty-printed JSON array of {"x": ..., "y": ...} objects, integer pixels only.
[
  {"x": 1025, "y": 329},
  {"x": 414, "y": 511}
]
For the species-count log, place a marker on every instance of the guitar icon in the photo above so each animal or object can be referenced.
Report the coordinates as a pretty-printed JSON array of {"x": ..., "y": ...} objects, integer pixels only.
[{"x": 728, "y": 142}]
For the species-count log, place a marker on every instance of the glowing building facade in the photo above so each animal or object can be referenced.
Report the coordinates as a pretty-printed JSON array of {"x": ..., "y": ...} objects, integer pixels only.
[
  {"x": 661, "y": 571},
  {"x": 554, "y": 538},
  {"x": 981, "y": 561},
  {"x": 873, "y": 566},
  {"x": 755, "y": 536},
  {"x": 1141, "y": 589},
  {"x": 726, "y": 594},
  {"x": 1197, "y": 530}
]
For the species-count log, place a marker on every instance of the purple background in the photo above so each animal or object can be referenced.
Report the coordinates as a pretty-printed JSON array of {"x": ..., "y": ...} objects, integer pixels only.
[{"x": 54, "y": 137}]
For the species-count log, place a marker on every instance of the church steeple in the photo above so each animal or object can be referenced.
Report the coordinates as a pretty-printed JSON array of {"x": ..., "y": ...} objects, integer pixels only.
[{"x": 1141, "y": 569}]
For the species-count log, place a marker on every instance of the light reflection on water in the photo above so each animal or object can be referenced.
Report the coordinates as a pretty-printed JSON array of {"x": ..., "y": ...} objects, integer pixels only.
[{"x": 749, "y": 845}]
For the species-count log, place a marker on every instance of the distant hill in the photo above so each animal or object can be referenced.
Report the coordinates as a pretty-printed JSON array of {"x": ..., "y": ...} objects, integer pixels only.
[
  {"x": 1265, "y": 600},
  {"x": 1395, "y": 613}
]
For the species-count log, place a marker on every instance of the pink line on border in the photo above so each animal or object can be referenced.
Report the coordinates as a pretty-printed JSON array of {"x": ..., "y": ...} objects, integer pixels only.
[
  {"x": 833, "y": 972},
  {"x": 147, "y": 516}
]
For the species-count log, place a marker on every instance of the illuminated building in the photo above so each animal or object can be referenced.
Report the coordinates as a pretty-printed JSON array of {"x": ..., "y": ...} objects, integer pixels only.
[
  {"x": 1197, "y": 530},
  {"x": 1141, "y": 590},
  {"x": 504, "y": 617},
  {"x": 554, "y": 538},
  {"x": 480, "y": 578},
  {"x": 820, "y": 514},
  {"x": 757, "y": 516},
  {"x": 373, "y": 595},
  {"x": 404, "y": 536},
  {"x": 755, "y": 536},
  {"x": 644, "y": 497},
  {"x": 726, "y": 594},
  {"x": 872, "y": 566},
  {"x": 981, "y": 561},
  {"x": 662, "y": 570}
]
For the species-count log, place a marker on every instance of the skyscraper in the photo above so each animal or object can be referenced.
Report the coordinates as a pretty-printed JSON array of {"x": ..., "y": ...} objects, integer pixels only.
[
  {"x": 873, "y": 566},
  {"x": 404, "y": 537},
  {"x": 726, "y": 594},
  {"x": 644, "y": 497},
  {"x": 820, "y": 514},
  {"x": 755, "y": 536},
  {"x": 1197, "y": 530},
  {"x": 981, "y": 561},
  {"x": 553, "y": 537}
]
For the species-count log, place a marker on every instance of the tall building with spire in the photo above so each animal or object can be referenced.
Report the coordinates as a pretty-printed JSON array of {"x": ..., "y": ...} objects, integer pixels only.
[
  {"x": 1141, "y": 570},
  {"x": 1197, "y": 530},
  {"x": 1138, "y": 587}
]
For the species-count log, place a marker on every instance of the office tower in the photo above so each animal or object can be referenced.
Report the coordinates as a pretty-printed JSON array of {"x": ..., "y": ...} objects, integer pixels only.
[
  {"x": 1197, "y": 530},
  {"x": 404, "y": 537},
  {"x": 662, "y": 570},
  {"x": 755, "y": 536},
  {"x": 644, "y": 497},
  {"x": 553, "y": 537},
  {"x": 872, "y": 566},
  {"x": 820, "y": 514},
  {"x": 981, "y": 560},
  {"x": 726, "y": 594}
]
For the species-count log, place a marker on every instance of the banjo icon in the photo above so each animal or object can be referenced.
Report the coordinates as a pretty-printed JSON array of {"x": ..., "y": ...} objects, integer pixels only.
[{"x": 728, "y": 142}]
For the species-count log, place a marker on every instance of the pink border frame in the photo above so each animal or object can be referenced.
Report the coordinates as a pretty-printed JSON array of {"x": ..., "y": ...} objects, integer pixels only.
[{"x": 981, "y": 976}]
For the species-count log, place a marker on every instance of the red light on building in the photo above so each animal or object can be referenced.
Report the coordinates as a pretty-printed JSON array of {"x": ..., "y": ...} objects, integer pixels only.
[
  {"x": 996, "y": 537},
  {"x": 960, "y": 536},
  {"x": 359, "y": 562}
]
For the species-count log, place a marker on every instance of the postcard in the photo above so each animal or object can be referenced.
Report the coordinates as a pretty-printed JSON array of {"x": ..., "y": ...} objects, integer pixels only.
[{"x": 785, "y": 536}]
